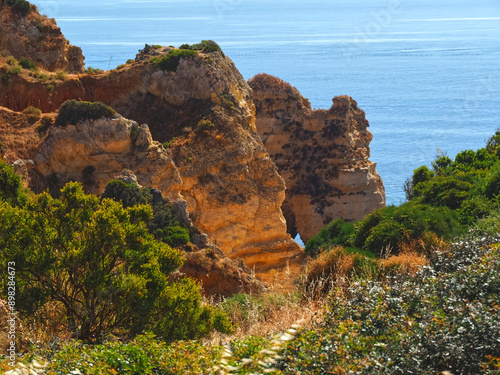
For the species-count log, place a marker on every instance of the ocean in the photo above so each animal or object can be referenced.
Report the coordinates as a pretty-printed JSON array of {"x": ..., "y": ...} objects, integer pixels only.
[{"x": 426, "y": 73}]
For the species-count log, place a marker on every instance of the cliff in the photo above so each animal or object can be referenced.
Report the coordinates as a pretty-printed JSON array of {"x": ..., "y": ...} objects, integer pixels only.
[
  {"x": 38, "y": 39},
  {"x": 321, "y": 154},
  {"x": 211, "y": 156}
]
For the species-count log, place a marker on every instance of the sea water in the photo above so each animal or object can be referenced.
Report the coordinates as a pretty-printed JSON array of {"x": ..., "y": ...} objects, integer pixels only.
[{"x": 425, "y": 72}]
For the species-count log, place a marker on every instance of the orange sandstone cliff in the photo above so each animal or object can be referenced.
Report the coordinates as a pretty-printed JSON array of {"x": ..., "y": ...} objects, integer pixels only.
[
  {"x": 191, "y": 133},
  {"x": 39, "y": 39},
  {"x": 321, "y": 154}
]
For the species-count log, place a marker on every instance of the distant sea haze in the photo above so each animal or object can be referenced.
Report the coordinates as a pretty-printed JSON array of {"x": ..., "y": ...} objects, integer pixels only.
[{"x": 426, "y": 73}]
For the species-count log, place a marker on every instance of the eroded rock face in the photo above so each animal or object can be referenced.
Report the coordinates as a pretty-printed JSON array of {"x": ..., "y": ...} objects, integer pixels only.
[
  {"x": 38, "y": 39},
  {"x": 322, "y": 156}
]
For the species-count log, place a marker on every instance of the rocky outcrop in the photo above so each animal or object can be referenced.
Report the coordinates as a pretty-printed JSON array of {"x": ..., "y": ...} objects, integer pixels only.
[
  {"x": 38, "y": 39},
  {"x": 322, "y": 156},
  {"x": 213, "y": 157},
  {"x": 95, "y": 151}
]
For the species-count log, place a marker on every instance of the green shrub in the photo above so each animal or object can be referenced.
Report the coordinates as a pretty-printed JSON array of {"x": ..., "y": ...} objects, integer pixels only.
[
  {"x": 205, "y": 124},
  {"x": 61, "y": 75},
  {"x": 446, "y": 317},
  {"x": 163, "y": 225},
  {"x": 129, "y": 194},
  {"x": 96, "y": 260},
  {"x": 45, "y": 124},
  {"x": 73, "y": 111},
  {"x": 143, "y": 355},
  {"x": 338, "y": 232},
  {"x": 148, "y": 48},
  {"x": 206, "y": 46},
  {"x": 392, "y": 226},
  {"x": 16, "y": 69},
  {"x": 32, "y": 112},
  {"x": 91, "y": 70},
  {"x": 173, "y": 235},
  {"x": 27, "y": 64},
  {"x": 171, "y": 60}
]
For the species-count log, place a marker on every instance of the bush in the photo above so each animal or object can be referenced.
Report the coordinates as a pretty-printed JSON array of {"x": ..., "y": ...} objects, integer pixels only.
[
  {"x": 173, "y": 235},
  {"x": 11, "y": 187},
  {"x": 27, "y": 64},
  {"x": 338, "y": 232},
  {"x": 21, "y": 6},
  {"x": 148, "y": 48},
  {"x": 171, "y": 60},
  {"x": 129, "y": 194},
  {"x": 73, "y": 111},
  {"x": 390, "y": 227},
  {"x": 163, "y": 224},
  {"x": 61, "y": 75},
  {"x": 206, "y": 46},
  {"x": 32, "y": 113},
  {"x": 96, "y": 260},
  {"x": 45, "y": 125},
  {"x": 446, "y": 317}
]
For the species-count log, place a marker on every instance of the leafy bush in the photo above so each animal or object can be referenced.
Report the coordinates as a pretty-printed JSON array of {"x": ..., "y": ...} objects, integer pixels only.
[
  {"x": 390, "y": 227},
  {"x": 61, "y": 75},
  {"x": 163, "y": 224},
  {"x": 173, "y": 235},
  {"x": 11, "y": 187},
  {"x": 148, "y": 48},
  {"x": 45, "y": 124},
  {"x": 21, "y": 6},
  {"x": 97, "y": 261},
  {"x": 27, "y": 64},
  {"x": 171, "y": 60},
  {"x": 446, "y": 317},
  {"x": 338, "y": 232},
  {"x": 129, "y": 194},
  {"x": 206, "y": 46},
  {"x": 73, "y": 111}
]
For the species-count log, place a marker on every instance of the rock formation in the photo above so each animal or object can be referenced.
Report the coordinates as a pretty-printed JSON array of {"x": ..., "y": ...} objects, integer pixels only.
[
  {"x": 322, "y": 156},
  {"x": 38, "y": 39},
  {"x": 215, "y": 159},
  {"x": 200, "y": 145}
]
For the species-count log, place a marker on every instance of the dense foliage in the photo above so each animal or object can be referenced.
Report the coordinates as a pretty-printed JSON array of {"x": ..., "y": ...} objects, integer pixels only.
[
  {"x": 96, "y": 260},
  {"x": 73, "y": 111},
  {"x": 444, "y": 200}
]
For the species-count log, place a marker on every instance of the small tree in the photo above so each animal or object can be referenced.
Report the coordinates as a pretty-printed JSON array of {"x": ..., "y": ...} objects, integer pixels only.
[
  {"x": 97, "y": 260},
  {"x": 11, "y": 187}
]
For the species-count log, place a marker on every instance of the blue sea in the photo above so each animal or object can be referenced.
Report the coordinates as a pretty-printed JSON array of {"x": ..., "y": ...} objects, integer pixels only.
[{"x": 427, "y": 73}]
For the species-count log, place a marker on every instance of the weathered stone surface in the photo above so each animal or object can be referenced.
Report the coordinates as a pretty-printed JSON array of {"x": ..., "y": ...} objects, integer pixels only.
[
  {"x": 322, "y": 156},
  {"x": 38, "y": 39},
  {"x": 215, "y": 160}
]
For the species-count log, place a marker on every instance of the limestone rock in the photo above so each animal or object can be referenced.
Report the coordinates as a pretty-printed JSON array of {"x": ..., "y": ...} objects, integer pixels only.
[
  {"x": 38, "y": 39},
  {"x": 322, "y": 156}
]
